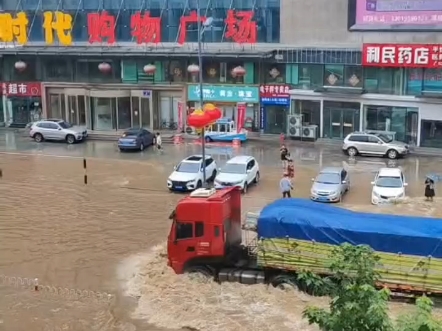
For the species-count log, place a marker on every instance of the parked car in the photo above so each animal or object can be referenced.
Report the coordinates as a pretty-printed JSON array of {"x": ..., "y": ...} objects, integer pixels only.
[
  {"x": 330, "y": 185},
  {"x": 188, "y": 174},
  {"x": 389, "y": 183},
  {"x": 374, "y": 144},
  {"x": 56, "y": 129},
  {"x": 240, "y": 171},
  {"x": 135, "y": 139}
]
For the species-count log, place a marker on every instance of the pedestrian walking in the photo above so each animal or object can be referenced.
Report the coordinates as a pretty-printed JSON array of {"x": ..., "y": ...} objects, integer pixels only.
[
  {"x": 286, "y": 186},
  {"x": 284, "y": 152},
  {"x": 429, "y": 189},
  {"x": 159, "y": 142},
  {"x": 291, "y": 169}
]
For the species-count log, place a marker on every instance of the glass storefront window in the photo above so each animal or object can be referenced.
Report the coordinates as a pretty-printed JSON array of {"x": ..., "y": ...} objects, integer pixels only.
[
  {"x": 310, "y": 76},
  {"x": 418, "y": 80},
  {"x": 103, "y": 113},
  {"x": 400, "y": 120},
  {"x": 382, "y": 80},
  {"x": 55, "y": 109},
  {"x": 124, "y": 113},
  {"x": 275, "y": 119},
  {"x": 431, "y": 134},
  {"x": 340, "y": 119},
  {"x": 310, "y": 111},
  {"x": 333, "y": 75}
]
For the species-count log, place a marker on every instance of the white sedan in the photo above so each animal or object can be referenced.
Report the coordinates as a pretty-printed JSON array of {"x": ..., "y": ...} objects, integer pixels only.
[
  {"x": 188, "y": 174},
  {"x": 389, "y": 184},
  {"x": 240, "y": 171}
]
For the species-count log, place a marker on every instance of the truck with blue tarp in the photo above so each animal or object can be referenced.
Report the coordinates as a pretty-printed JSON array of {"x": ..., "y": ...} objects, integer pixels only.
[{"x": 294, "y": 235}]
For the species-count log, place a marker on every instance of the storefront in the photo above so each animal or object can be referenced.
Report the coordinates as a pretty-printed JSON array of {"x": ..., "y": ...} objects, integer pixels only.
[
  {"x": 21, "y": 103},
  {"x": 105, "y": 109},
  {"x": 227, "y": 98},
  {"x": 339, "y": 116},
  {"x": 275, "y": 108}
]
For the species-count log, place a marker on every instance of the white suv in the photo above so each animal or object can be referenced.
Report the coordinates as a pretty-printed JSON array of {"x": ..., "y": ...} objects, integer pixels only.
[
  {"x": 188, "y": 174},
  {"x": 55, "y": 129},
  {"x": 389, "y": 184},
  {"x": 240, "y": 171}
]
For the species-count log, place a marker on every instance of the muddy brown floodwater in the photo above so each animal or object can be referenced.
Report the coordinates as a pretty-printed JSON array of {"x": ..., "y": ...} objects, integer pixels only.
[{"x": 91, "y": 247}]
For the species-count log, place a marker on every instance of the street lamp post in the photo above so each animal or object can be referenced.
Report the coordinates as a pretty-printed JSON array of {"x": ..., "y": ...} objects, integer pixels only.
[{"x": 200, "y": 78}]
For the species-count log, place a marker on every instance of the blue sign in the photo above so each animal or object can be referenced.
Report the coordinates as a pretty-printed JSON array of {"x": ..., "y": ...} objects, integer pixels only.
[
  {"x": 262, "y": 118},
  {"x": 224, "y": 93},
  {"x": 147, "y": 93},
  {"x": 276, "y": 101}
]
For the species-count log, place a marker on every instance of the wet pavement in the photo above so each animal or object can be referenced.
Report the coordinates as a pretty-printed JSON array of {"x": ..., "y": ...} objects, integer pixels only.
[{"x": 90, "y": 244}]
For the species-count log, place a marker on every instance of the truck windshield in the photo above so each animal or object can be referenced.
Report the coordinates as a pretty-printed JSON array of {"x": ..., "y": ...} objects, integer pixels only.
[
  {"x": 234, "y": 168},
  {"x": 188, "y": 167},
  {"x": 389, "y": 182}
]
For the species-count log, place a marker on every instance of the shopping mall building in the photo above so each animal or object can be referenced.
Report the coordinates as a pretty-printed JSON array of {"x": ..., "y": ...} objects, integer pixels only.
[{"x": 336, "y": 66}]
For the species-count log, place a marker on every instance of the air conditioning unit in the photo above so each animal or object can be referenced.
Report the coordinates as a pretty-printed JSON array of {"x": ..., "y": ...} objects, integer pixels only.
[
  {"x": 310, "y": 132},
  {"x": 294, "y": 132},
  {"x": 294, "y": 125}
]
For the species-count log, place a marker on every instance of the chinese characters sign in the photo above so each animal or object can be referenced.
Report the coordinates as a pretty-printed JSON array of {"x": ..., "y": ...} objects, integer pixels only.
[
  {"x": 274, "y": 95},
  {"x": 402, "y": 56},
  {"x": 397, "y": 15},
  {"x": 21, "y": 89},
  {"x": 101, "y": 27},
  {"x": 224, "y": 93}
]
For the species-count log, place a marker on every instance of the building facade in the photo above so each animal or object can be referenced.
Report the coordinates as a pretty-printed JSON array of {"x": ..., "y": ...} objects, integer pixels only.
[{"x": 114, "y": 64}]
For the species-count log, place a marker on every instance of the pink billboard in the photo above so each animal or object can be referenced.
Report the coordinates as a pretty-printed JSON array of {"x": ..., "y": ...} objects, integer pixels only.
[{"x": 397, "y": 14}]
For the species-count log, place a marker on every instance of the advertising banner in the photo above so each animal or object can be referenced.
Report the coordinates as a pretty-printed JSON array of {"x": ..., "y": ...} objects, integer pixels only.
[
  {"x": 396, "y": 15},
  {"x": 241, "y": 116},
  {"x": 180, "y": 116},
  {"x": 402, "y": 55}
]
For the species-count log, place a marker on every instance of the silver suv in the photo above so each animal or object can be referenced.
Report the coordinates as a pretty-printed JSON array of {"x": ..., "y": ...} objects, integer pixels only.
[
  {"x": 374, "y": 144},
  {"x": 55, "y": 129}
]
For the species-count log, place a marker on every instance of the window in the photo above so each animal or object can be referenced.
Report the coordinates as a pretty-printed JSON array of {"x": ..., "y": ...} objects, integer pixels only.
[
  {"x": 216, "y": 231},
  {"x": 362, "y": 139},
  {"x": 372, "y": 139},
  {"x": 199, "y": 229},
  {"x": 209, "y": 162},
  {"x": 382, "y": 80},
  {"x": 310, "y": 76},
  {"x": 431, "y": 133},
  {"x": 250, "y": 165},
  {"x": 184, "y": 230},
  {"x": 418, "y": 80},
  {"x": 333, "y": 75}
]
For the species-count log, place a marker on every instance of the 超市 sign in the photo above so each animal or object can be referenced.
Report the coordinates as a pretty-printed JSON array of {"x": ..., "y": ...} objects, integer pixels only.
[{"x": 224, "y": 93}]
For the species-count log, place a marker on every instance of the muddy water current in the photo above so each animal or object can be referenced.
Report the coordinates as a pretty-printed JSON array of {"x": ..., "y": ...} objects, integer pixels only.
[{"x": 98, "y": 250}]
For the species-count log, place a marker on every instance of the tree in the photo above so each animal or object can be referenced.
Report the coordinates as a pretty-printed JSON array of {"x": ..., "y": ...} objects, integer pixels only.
[
  {"x": 356, "y": 304},
  {"x": 421, "y": 320}
]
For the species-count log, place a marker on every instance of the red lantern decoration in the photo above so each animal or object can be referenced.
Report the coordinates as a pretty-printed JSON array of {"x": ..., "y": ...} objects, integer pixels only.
[
  {"x": 198, "y": 119},
  {"x": 215, "y": 114},
  {"x": 193, "y": 69},
  {"x": 104, "y": 67},
  {"x": 20, "y": 65},
  {"x": 149, "y": 69},
  {"x": 238, "y": 71}
]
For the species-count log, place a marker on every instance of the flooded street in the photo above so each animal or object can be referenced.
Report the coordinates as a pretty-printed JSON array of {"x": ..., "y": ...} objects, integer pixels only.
[{"x": 91, "y": 246}]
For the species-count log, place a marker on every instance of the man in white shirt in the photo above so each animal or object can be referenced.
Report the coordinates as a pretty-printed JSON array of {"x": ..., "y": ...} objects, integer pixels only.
[{"x": 158, "y": 141}]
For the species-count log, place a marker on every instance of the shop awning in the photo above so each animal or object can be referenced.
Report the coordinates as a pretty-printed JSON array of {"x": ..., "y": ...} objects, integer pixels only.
[
  {"x": 134, "y": 50},
  {"x": 340, "y": 90},
  {"x": 430, "y": 94}
]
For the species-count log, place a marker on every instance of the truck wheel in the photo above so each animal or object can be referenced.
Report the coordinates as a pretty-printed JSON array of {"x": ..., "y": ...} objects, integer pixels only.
[
  {"x": 284, "y": 282},
  {"x": 200, "y": 272}
]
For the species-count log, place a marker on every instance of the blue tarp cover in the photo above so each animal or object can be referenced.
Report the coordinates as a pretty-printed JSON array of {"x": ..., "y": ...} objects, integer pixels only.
[{"x": 306, "y": 220}]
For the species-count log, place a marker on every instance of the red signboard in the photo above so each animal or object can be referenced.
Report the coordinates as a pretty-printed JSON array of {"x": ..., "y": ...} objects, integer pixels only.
[
  {"x": 145, "y": 29},
  {"x": 21, "y": 89},
  {"x": 402, "y": 55},
  {"x": 274, "y": 91}
]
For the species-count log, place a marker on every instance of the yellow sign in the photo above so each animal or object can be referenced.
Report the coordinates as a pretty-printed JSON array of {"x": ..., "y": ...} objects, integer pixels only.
[{"x": 16, "y": 29}]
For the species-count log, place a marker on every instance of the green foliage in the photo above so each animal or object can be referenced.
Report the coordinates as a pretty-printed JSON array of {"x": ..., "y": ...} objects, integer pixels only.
[{"x": 356, "y": 304}]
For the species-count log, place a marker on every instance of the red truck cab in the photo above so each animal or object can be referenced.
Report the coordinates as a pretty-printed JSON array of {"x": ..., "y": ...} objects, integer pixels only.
[{"x": 206, "y": 227}]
